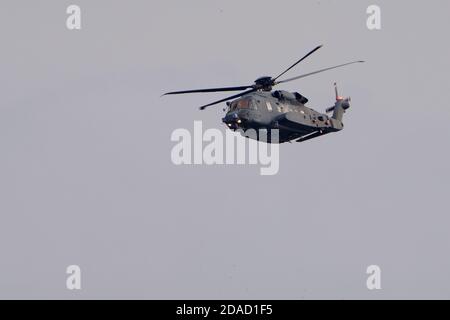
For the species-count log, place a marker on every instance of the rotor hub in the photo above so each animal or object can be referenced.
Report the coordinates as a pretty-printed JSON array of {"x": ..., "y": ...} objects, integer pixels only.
[{"x": 264, "y": 83}]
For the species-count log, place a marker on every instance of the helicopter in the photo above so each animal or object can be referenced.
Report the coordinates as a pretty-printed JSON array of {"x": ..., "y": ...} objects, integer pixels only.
[{"x": 259, "y": 107}]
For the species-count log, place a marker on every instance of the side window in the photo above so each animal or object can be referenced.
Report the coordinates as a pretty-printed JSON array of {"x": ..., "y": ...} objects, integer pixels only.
[{"x": 269, "y": 106}]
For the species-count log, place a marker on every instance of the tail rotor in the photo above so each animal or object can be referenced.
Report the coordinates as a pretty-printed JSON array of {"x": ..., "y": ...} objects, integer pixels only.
[{"x": 340, "y": 105}]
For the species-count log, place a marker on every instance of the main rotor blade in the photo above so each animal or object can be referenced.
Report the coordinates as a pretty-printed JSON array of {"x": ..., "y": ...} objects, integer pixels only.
[
  {"x": 210, "y": 90},
  {"x": 318, "y": 71},
  {"x": 228, "y": 98},
  {"x": 306, "y": 56}
]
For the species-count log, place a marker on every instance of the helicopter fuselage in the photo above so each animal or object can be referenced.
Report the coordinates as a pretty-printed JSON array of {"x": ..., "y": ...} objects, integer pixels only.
[{"x": 280, "y": 110}]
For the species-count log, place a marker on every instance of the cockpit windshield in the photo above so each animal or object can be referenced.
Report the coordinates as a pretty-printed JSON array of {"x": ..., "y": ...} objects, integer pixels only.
[{"x": 244, "y": 103}]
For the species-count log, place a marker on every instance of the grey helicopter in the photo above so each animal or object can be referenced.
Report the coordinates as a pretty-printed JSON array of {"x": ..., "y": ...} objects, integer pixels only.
[{"x": 260, "y": 108}]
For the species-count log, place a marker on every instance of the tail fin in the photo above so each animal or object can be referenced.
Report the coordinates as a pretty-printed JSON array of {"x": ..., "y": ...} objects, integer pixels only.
[{"x": 340, "y": 105}]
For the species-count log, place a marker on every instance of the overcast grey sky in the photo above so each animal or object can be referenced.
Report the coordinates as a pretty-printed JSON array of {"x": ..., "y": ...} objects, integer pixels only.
[{"x": 86, "y": 176}]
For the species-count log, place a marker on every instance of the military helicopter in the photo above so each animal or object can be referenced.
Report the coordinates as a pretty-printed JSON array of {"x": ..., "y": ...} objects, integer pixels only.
[{"x": 261, "y": 108}]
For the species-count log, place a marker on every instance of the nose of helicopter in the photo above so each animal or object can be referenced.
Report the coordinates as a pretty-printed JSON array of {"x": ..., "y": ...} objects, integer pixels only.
[
  {"x": 232, "y": 120},
  {"x": 231, "y": 116}
]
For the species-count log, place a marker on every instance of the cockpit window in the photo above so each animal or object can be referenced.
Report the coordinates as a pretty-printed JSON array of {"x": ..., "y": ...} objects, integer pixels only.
[{"x": 245, "y": 103}]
